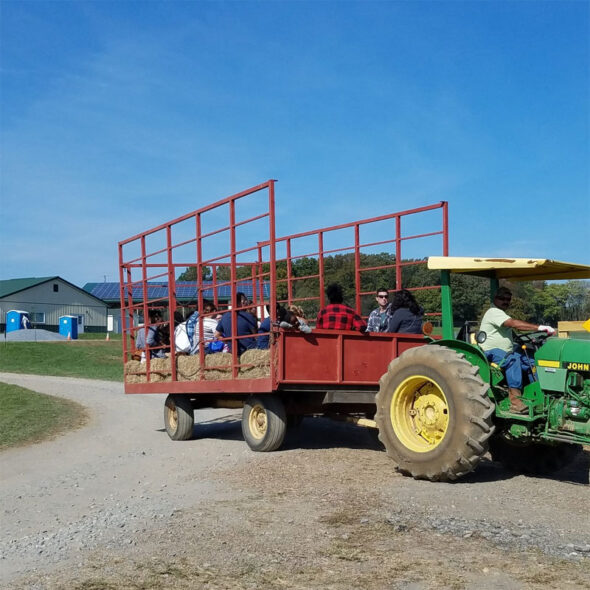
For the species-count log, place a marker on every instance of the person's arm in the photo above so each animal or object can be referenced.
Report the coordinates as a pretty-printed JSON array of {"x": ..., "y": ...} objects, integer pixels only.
[
  {"x": 526, "y": 326},
  {"x": 358, "y": 323}
]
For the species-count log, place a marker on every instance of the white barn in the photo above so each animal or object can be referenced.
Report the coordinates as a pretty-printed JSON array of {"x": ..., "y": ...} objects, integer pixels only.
[{"x": 46, "y": 299}]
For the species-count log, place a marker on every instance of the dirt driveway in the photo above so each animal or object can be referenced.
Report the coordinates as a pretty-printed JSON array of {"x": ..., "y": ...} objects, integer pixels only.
[{"x": 119, "y": 505}]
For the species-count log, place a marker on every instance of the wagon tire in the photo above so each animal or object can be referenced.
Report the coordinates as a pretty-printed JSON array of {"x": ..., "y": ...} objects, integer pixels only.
[
  {"x": 434, "y": 414},
  {"x": 264, "y": 422},
  {"x": 534, "y": 458},
  {"x": 179, "y": 417}
]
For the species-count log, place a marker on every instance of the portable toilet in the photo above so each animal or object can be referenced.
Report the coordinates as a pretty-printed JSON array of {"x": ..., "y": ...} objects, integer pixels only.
[
  {"x": 17, "y": 319},
  {"x": 68, "y": 326}
]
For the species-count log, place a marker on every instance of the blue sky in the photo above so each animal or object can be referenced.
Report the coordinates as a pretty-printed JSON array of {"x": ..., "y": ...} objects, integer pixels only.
[{"x": 119, "y": 116}]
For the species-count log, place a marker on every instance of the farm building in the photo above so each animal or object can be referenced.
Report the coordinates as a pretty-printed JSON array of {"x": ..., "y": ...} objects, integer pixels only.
[
  {"x": 46, "y": 299},
  {"x": 186, "y": 294}
]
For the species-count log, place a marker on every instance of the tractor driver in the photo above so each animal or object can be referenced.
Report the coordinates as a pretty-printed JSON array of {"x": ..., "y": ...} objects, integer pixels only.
[{"x": 499, "y": 347}]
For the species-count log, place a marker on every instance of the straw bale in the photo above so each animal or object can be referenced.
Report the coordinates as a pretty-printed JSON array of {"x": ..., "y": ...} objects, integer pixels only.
[
  {"x": 160, "y": 370},
  {"x": 187, "y": 368},
  {"x": 260, "y": 359},
  {"x": 222, "y": 362},
  {"x": 131, "y": 368}
]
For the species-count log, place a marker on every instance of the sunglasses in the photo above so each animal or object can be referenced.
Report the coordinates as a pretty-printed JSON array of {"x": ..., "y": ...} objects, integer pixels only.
[
  {"x": 509, "y": 299},
  {"x": 382, "y": 296}
]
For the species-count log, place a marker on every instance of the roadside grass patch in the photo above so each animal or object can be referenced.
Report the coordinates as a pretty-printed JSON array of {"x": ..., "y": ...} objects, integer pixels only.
[
  {"x": 89, "y": 359},
  {"x": 28, "y": 417}
]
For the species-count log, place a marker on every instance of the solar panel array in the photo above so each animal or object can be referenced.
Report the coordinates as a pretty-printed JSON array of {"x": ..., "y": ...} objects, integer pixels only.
[{"x": 185, "y": 291}]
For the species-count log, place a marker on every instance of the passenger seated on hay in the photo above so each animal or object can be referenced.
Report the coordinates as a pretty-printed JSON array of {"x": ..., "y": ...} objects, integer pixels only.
[
  {"x": 247, "y": 325},
  {"x": 153, "y": 339},
  {"x": 209, "y": 327}
]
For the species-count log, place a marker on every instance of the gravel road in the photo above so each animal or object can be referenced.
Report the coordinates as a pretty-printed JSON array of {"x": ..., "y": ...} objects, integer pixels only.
[{"x": 117, "y": 504}]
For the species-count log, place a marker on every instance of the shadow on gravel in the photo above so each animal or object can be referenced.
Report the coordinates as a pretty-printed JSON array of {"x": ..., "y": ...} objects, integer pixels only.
[
  {"x": 578, "y": 473},
  {"x": 227, "y": 428},
  {"x": 323, "y": 433}
]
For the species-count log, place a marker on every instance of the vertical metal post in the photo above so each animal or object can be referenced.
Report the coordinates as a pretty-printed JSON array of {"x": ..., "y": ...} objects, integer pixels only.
[
  {"x": 445, "y": 228},
  {"x": 289, "y": 273},
  {"x": 146, "y": 316},
  {"x": 398, "y": 253},
  {"x": 321, "y": 268},
  {"x": 446, "y": 304},
  {"x": 272, "y": 255},
  {"x": 234, "y": 286},
  {"x": 357, "y": 271},
  {"x": 171, "y": 300}
]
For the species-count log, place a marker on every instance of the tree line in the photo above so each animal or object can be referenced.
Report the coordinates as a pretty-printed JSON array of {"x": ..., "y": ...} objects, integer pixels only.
[{"x": 536, "y": 302}]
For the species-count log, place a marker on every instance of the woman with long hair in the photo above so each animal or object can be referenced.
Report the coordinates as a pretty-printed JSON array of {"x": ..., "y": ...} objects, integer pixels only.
[{"x": 405, "y": 315}]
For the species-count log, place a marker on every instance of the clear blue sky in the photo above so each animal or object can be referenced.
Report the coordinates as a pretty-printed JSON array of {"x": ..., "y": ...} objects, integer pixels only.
[{"x": 119, "y": 116}]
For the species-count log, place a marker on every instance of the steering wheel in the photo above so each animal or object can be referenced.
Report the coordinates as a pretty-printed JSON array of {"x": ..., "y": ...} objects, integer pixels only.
[{"x": 534, "y": 339}]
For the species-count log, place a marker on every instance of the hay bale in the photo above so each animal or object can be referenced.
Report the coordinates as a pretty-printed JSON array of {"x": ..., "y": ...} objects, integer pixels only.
[
  {"x": 160, "y": 370},
  {"x": 134, "y": 372},
  {"x": 260, "y": 361},
  {"x": 187, "y": 368},
  {"x": 222, "y": 363}
]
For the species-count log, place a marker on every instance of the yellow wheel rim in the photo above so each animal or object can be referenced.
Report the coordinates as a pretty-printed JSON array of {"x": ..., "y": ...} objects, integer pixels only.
[
  {"x": 257, "y": 422},
  {"x": 172, "y": 417},
  {"x": 419, "y": 414}
]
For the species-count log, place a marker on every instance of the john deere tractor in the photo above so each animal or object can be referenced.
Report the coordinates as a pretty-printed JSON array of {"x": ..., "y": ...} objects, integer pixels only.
[{"x": 442, "y": 406}]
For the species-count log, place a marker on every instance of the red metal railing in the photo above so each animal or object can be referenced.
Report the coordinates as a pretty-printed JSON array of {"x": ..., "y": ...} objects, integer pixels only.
[{"x": 221, "y": 244}]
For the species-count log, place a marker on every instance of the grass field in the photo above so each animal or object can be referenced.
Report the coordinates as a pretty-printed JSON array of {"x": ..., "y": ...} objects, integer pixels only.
[
  {"x": 28, "y": 417},
  {"x": 89, "y": 358}
]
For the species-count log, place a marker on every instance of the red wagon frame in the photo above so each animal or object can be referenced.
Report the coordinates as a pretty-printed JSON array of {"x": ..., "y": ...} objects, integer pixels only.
[{"x": 326, "y": 360}]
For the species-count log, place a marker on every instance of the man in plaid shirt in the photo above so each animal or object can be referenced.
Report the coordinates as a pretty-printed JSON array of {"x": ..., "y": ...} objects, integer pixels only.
[{"x": 336, "y": 315}]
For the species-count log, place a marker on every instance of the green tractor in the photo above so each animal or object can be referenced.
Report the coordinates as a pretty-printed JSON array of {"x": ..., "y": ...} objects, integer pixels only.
[{"x": 442, "y": 406}]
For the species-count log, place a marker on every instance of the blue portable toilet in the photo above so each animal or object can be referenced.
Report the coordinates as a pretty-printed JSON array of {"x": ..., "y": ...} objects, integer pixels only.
[
  {"x": 17, "y": 319},
  {"x": 68, "y": 326}
]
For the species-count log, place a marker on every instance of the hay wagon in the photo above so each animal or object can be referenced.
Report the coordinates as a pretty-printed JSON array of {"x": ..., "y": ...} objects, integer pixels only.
[{"x": 231, "y": 246}]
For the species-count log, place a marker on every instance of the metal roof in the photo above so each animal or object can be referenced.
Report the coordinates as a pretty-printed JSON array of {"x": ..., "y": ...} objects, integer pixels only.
[
  {"x": 514, "y": 269},
  {"x": 10, "y": 286},
  {"x": 185, "y": 291}
]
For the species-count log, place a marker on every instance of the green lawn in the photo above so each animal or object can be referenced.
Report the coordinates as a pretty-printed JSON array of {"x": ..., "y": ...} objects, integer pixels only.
[
  {"x": 91, "y": 359},
  {"x": 27, "y": 417}
]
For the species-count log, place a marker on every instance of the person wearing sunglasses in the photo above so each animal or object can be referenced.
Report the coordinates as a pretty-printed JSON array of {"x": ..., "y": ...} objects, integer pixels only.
[
  {"x": 378, "y": 318},
  {"x": 499, "y": 346}
]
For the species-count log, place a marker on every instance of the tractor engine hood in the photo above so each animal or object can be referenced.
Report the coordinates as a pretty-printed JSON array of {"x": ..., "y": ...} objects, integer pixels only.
[{"x": 561, "y": 353}]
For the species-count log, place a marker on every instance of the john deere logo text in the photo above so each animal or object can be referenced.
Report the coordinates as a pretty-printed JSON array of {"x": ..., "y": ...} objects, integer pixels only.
[{"x": 577, "y": 366}]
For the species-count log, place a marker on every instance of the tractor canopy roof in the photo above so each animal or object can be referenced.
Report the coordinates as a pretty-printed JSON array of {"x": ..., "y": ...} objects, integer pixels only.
[{"x": 514, "y": 269}]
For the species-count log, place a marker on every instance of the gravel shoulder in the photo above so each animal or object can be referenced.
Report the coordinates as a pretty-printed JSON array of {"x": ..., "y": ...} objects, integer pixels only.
[{"x": 118, "y": 505}]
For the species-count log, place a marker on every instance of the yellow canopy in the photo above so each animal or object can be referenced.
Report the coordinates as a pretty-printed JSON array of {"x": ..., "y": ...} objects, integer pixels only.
[{"x": 513, "y": 269}]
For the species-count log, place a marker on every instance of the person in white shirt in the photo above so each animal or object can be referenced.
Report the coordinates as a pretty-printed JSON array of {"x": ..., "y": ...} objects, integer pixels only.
[{"x": 499, "y": 346}]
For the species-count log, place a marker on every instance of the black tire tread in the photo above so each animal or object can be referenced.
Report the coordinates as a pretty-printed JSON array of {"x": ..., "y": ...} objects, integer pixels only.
[
  {"x": 276, "y": 417},
  {"x": 478, "y": 424},
  {"x": 185, "y": 414}
]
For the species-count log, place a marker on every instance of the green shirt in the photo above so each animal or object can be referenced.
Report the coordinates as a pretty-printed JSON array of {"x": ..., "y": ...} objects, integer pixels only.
[{"x": 499, "y": 336}]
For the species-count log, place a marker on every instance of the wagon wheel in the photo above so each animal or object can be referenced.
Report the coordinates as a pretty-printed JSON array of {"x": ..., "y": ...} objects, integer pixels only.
[
  {"x": 264, "y": 422},
  {"x": 179, "y": 417}
]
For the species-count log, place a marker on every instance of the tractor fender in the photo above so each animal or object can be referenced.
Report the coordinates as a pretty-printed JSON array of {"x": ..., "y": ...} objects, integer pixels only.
[{"x": 472, "y": 353}]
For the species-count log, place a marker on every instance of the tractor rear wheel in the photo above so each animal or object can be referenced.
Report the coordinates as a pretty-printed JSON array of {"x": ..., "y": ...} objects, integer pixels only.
[
  {"x": 264, "y": 422},
  {"x": 179, "y": 417},
  {"x": 433, "y": 413},
  {"x": 533, "y": 458}
]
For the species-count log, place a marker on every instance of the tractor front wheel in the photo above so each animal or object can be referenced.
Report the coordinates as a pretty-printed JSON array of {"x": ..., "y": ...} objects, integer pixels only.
[
  {"x": 433, "y": 413},
  {"x": 533, "y": 458}
]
